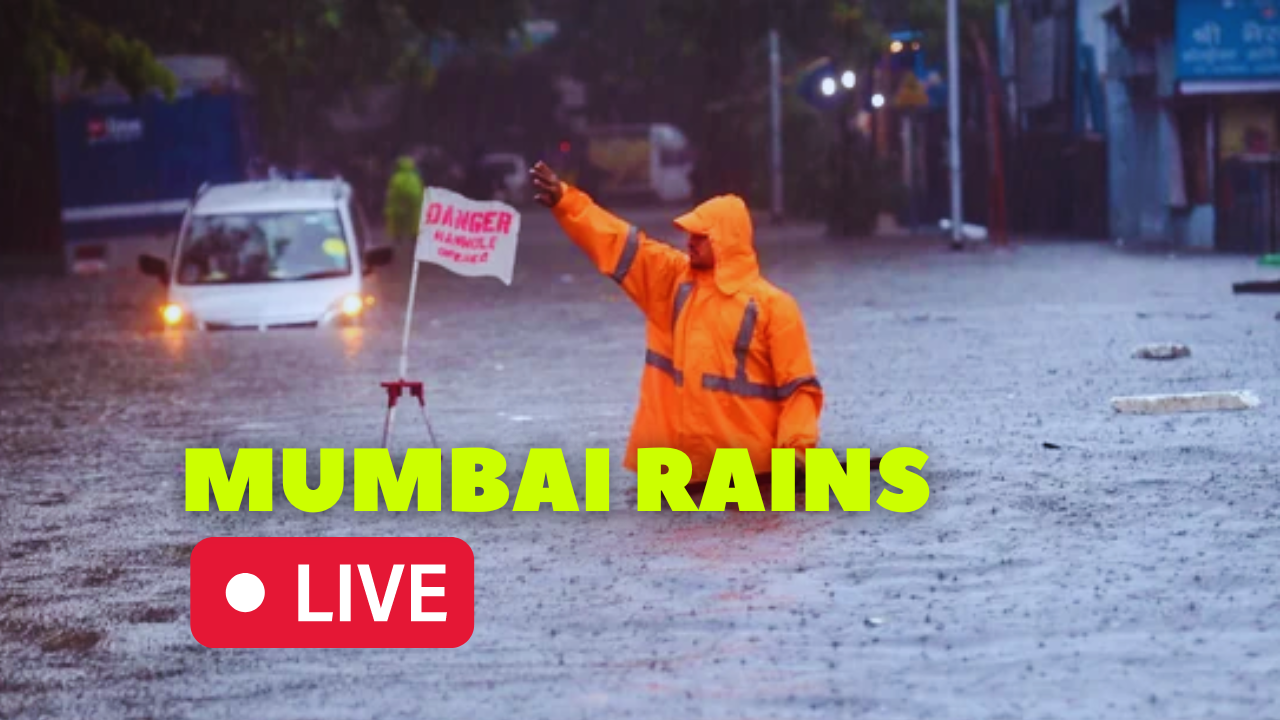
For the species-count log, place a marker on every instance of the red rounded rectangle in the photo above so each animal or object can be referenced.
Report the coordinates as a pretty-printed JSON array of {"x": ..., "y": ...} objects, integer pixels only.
[{"x": 290, "y": 592}]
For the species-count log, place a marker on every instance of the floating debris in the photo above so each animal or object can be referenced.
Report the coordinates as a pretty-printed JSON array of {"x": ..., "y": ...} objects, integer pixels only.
[
  {"x": 1162, "y": 351},
  {"x": 1186, "y": 402}
]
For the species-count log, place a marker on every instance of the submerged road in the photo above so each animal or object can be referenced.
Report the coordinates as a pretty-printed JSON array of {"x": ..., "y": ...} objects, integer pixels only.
[{"x": 1132, "y": 571}]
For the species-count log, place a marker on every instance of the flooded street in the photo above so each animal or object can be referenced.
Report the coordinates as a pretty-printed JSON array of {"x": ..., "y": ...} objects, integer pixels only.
[{"x": 1131, "y": 571}]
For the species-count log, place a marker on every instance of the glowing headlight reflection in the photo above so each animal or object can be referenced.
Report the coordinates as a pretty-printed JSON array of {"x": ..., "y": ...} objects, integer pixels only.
[
  {"x": 352, "y": 305},
  {"x": 172, "y": 314}
]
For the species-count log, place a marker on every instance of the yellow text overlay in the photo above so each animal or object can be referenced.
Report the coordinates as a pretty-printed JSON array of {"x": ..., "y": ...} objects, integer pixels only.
[{"x": 477, "y": 483}]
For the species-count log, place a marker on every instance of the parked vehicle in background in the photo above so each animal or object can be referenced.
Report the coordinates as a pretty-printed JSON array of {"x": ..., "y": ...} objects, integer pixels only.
[
  {"x": 512, "y": 173},
  {"x": 438, "y": 167},
  {"x": 269, "y": 254},
  {"x": 647, "y": 160},
  {"x": 130, "y": 167}
]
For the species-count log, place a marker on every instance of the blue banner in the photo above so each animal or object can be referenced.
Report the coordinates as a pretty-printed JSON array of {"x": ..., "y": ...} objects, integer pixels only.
[{"x": 1228, "y": 39}]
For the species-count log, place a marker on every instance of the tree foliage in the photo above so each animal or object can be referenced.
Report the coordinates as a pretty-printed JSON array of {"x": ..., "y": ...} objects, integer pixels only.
[
  {"x": 703, "y": 64},
  {"x": 338, "y": 41},
  {"x": 44, "y": 38},
  {"x": 301, "y": 55},
  {"x": 306, "y": 55},
  {"x": 41, "y": 39}
]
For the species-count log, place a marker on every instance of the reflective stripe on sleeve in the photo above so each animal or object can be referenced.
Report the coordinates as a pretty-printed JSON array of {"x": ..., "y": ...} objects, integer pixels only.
[{"x": 629, "y": 252}]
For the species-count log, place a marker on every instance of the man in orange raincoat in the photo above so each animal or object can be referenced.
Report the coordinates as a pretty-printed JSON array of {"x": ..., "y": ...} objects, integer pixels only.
[{"x": 727, "y": 361}]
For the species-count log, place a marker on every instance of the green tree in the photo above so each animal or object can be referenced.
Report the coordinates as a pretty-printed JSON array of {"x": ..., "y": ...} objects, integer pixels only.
[
  {"x": 40, "y": 40},
  {"x": 302, "y": 55},
  {"x": 703, "y": 64}
]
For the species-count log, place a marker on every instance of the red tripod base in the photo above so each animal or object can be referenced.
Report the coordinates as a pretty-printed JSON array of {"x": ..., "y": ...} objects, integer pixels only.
[{"x": 397, "y": 388}]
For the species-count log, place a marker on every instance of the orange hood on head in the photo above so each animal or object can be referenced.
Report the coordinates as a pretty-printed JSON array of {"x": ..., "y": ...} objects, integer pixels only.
[{"x": 727, "y": 222}]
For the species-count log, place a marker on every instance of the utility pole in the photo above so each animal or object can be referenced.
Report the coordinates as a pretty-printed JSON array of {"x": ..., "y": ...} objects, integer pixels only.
[
  {"x": 998, "y": 224},
  {"x": 775, "y": 124},
  {"x": 953, "y": 117},
  {"x": 909, "y": 165}
]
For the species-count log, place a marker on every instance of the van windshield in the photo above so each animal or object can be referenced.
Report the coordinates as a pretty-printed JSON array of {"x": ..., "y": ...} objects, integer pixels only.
[{"x": 263, "y": 247}]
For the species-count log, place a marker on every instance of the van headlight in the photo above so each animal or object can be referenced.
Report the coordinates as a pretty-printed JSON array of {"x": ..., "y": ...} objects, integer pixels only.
[
  {"x": 178, "y": 317},
  {"x": 348, "y": 310},
  {"x": 352, "y": 306},
  {"x": 172, "y": 314},
  {"x": 175, "y": 316}
]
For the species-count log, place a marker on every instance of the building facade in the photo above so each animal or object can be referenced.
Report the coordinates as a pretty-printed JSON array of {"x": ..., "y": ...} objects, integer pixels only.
[
  {"x": 1193, "y": 105},
  {"x": 1051, "y": 70}
]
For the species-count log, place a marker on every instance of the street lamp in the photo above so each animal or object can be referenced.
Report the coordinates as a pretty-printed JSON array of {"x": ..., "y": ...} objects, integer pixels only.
[
  {"x": 829, "y": 88},
  {"x": 877, "y": 101},
  {"x": 824, "y": 85}
]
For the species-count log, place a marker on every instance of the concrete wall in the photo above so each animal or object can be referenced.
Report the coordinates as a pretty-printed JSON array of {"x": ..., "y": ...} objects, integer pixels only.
[{"x": 1144, "y": 158}]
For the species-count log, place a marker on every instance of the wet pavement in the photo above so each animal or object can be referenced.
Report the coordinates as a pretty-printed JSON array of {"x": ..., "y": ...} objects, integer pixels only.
[{"x": 1133, "y": 571}]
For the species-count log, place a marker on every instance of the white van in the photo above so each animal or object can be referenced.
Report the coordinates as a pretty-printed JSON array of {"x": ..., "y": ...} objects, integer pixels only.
[
  {"x": 652, "y": 160},
  {"x": 269, "y": 254}
]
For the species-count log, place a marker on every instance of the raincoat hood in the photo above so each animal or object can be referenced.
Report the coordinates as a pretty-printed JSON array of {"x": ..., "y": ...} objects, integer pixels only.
[{"x": 727, "y": 222}]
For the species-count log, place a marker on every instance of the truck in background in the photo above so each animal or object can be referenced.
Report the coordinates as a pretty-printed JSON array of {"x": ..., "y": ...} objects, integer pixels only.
[
  {"x": 128, "y": 169},
  {"x": 636, "y": 161}
]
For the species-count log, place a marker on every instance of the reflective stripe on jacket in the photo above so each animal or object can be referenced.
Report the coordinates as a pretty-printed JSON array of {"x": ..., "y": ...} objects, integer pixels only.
[{"x": 727, "y": 362}]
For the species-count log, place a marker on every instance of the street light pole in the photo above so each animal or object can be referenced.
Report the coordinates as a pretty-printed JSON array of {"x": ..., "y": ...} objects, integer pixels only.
[
  {"x": 953, "y": 116},
  {"x": 775, "y": 123}
]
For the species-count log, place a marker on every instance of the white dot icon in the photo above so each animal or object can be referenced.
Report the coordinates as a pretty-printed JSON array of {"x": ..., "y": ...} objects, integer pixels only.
[{"x": 245, "y": 592}]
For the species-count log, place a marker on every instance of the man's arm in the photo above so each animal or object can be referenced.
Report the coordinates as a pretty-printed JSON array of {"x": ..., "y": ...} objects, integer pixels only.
[
  {"x": 646, "y": 269},
  {"x": 799, "y": 391}
]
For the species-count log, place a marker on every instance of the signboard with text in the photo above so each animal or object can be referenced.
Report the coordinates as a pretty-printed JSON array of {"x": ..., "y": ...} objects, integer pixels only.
[
  {"x": 469, "y": 237},
  {"x": 1228, "y": 39}
]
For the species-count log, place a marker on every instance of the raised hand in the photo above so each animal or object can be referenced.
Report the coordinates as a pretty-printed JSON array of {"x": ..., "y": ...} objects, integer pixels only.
[{"x": 546, "y": 184}]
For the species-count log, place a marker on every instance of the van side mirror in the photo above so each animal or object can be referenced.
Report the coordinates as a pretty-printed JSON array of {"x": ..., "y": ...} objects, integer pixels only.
[
  {"x": 377, "y": 257},
  {"x": 152, "y": 265}
]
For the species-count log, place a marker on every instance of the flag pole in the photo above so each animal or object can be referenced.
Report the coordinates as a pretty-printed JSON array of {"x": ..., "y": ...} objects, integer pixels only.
[
  {"x": 408, "y": 320},
  {"x": 413, "y": 294},
  {"x": 404, "y": 357},
  {"x": 396, "y": 387}
]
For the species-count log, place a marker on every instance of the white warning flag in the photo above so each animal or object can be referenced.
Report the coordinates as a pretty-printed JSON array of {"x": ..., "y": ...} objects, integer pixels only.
[{"x": 475, "y": 238}]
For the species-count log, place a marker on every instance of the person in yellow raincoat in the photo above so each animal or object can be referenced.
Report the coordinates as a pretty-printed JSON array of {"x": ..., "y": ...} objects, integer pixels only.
[
  {"x": 403, "y": 202},
  {"x": 727, "y": 361}
]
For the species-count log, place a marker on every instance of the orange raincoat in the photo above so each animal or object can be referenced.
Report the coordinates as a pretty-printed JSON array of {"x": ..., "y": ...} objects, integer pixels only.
[{"x": 727, "y": 362}]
